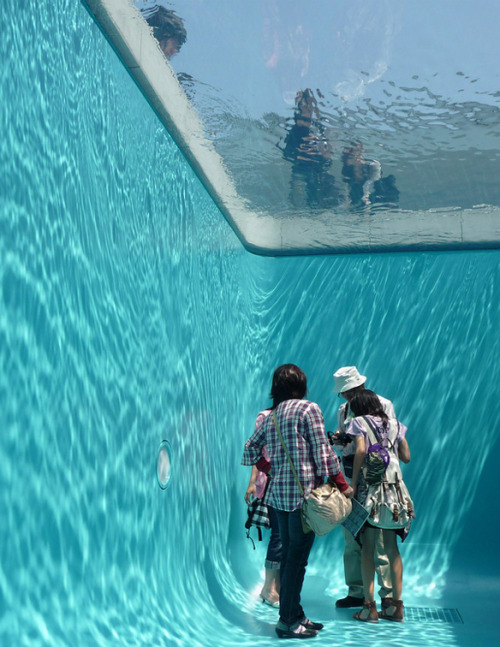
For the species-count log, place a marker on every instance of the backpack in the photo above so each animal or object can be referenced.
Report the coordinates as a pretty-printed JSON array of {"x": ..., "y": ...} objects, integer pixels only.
[{"x": 377, "y": 458}]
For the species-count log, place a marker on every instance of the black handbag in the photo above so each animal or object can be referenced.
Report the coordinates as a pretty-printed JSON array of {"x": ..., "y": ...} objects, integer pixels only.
[{"x": 258, "y": 516}]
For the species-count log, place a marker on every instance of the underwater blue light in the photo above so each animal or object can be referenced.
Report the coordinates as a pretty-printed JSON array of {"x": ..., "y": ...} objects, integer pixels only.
[{"x": 163, "y": 468}]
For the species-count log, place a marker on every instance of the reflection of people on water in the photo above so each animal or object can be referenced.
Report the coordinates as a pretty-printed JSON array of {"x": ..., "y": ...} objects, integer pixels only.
[
  {"x": 167, "y": 27},
  {"x": 310, "y": 153},
  {"x": 359, "y": 174}
]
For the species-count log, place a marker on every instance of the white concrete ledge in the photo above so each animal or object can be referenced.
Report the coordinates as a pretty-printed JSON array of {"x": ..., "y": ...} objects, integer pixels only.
[{"x": 131, "y": 38}]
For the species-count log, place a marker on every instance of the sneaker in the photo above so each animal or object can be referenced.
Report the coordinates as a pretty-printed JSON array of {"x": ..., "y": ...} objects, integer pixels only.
[
  {"x": 294, "y": 631},
  {"x": 349, "y": 602}
]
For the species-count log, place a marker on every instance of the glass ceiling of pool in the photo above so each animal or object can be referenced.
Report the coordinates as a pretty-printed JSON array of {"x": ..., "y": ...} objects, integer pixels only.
[{"x": 329, "y": 126}]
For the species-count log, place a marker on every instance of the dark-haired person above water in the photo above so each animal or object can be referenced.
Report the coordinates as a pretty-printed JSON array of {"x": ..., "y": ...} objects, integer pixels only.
[
  {"x": 300, "y": 423},
  {"x": 167, "y": 27}
]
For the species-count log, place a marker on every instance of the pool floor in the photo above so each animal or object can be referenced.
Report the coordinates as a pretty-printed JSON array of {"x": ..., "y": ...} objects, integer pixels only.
[{"x": 463, "y": 618}]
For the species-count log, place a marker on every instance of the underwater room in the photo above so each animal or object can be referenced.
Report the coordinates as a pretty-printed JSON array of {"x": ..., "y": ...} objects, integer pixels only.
[{"x": 145, "y": 303}]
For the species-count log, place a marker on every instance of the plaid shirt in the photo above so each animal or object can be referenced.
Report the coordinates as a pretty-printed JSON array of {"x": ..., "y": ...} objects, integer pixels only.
[{"x": 303, "y": 431}]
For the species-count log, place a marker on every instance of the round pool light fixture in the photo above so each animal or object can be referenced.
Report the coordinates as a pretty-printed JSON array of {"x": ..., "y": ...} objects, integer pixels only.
[{"x": 164, "y": 464}]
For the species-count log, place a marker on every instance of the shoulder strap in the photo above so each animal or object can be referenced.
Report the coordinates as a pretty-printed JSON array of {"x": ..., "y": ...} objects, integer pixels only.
[
  {"x": 346, "y": 410},
  {"x": 392, "y": 436},
  {"x": 292, "y": 466},
  {"x": 372, "y": 433}
]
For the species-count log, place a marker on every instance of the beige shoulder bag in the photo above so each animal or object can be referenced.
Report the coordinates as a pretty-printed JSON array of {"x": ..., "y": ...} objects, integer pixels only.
[{"x": 325, "y": 508}]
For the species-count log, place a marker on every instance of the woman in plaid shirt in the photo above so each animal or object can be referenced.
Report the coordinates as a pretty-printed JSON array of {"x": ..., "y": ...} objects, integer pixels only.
[{"x": 301, "y": 425}]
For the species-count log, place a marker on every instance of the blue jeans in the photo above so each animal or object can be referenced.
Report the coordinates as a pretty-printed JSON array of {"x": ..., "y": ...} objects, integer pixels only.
[
  {"x": 296, "y": 546},
  {"x": 273, "y": 557}
]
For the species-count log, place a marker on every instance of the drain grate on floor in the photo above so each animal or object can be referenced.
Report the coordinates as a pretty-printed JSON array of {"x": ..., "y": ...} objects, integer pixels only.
[{"x": 433, "y": 614}]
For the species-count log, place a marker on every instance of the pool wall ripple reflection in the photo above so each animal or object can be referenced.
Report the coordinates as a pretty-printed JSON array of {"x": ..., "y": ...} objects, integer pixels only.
[{"x": 129, "y": 314}]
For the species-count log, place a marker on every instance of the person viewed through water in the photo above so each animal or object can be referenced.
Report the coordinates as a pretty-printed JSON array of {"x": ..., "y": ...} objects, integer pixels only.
[
  {"x": 385, "y": 191},
  {"x": 167, "y": 27},
  {"x": 363, "y": 177},
  {"x": 359, "y": 174},
  {"x": 310, "y": 152}
]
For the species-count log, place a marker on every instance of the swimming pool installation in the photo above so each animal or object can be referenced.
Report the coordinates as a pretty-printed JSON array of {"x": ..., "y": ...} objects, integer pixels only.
[{"x": 132, "y": 314}]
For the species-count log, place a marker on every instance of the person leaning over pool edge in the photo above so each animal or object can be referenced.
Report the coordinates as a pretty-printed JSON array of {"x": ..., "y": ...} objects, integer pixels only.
[
  {"x": 167, "y": 27},
  {"x": 301, "y": 425},
  {"x": 348, "y": 383}
]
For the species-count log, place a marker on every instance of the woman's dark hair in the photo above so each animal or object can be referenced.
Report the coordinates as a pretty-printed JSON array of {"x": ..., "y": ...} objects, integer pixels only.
[
  {"x": 367, "y": 403},
  {"x": 289, "y": 383},
  {"x": 166, "y": 24}
]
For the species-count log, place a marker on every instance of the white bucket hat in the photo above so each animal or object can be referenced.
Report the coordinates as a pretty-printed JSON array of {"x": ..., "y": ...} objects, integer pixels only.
[{"x": 347, "y": 378}]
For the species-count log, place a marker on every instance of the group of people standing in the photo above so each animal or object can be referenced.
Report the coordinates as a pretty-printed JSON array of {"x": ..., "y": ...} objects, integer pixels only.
[
  {"x": 295, "y": 426},
  {"x": 310, "y": 152}
]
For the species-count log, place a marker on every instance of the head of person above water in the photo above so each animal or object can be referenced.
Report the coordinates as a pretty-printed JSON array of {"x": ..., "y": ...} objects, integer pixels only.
[
  {"x": 353, "y": 153},
  {"x": 305, "y": 106},
  {"x": 168, "y": 29},
  {"x": 289, "y": 383}
]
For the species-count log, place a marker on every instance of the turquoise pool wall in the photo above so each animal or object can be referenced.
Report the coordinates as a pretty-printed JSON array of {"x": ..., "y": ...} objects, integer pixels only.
[
  {"x": 129, "y": 313},
  {"x": 124, "y": 303},
  {"x": 424, "y": 329}
]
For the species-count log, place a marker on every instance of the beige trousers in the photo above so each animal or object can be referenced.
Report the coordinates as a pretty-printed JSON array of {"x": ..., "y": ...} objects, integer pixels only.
[{"x": 352, "y": 567}]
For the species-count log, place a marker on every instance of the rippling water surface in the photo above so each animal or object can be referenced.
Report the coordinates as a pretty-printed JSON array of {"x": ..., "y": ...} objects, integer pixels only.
[
  {"x": 414, "y": 83},
  {"x": 130, "y": 314}
]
